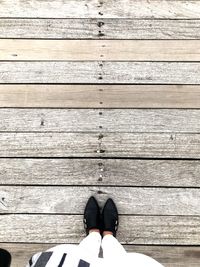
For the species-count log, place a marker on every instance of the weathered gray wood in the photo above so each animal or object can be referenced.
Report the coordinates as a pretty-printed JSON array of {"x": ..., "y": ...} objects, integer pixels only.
[
  {"x": 151, "y": 72},
  {"x": 169, "y": 256},
  {"x": 94, "y": 8},
  {"x": 99, "y": 28},
  {"x": 88, "y": 96},
  {"x": 49, "y": 72},
  {"x": 115, "y": 50},
  {"x": 163, "y": 145},
  {"x": 137, "y": 201},
  {"x": 118, "y": 172},
  {"x": 48, "y": 144},
  {"x": 93, "y": 145},
  {"x": 171, "y": 230},
  {"x": 49, "y": 28},
  {"x": 146, "y": 29},
  {"x": 100, "y": 72},
  {"x": 110, "y": 120}
]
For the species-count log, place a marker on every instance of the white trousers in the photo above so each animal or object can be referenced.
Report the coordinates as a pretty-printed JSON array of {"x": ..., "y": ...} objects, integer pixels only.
[{"x": 114, "y": 255}]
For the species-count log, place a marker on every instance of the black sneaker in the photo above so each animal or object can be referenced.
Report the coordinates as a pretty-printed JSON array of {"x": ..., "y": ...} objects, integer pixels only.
[
  {"x": 5, "y": 258},
  {"x": 110, "y": 217},
  {"x": 91, "y": 218}
]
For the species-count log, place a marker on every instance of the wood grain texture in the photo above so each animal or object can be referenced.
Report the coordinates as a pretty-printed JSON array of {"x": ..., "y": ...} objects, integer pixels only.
[
  {"x": 94, "y": 8},
  {"x": 114, "y": 172},
  {"x": 49, "y": 144},
  {"x": 169, "y": 256},
  {"x": 148, "y": 28},
  {"x": 100, "y": 72},
  {"x": 164, "y": 145},
  {"x": 29, "y": 185},
  {"x": 137, "y": 201},
  {"x": 110, "y": 120},
  {"x": 103, "y": 96},
  {"x": 115, "y": 50},
  {"x": 158, "y": 196},
  {"x": 99, "y": 28},
  {"x": 165, "y": 230}
]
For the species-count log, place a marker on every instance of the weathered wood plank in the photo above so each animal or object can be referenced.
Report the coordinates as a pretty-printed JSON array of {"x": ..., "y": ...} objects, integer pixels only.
[
  {"x": 113, "y": 96},
  {"x": 147, "y": 29},
  {"x": 49, "y": 72},
  {"x": 48, "y": 144},
  {"x": 100, "y": 72},
  {"x": 117, "y": 172},
  {"x": 115, "y": 50},
  {"x": 164, "y": 145},
  {"x": 169, "y": 256},
  {"x": 49, "y": 28},
  {"x": 99, "y": 28},
  {"x": 137, "y": 201},
  {"x": 110, "y": 120},
  {"x": 169, "y": 230},
  {"x": 94, "y": 8}
]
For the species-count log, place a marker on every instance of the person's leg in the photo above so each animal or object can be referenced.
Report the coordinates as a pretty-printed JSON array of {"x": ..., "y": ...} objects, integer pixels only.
[
  {"x": 91, "y": 244},
  {"x": 113, "y": 252},
  {"x": 70, "y": 255},
  {"x": 115, "y": 255},
  {"x": 111, "y": 247},
  {"x": 81, "y": 255},
  {"x": 87, "y": 251}
]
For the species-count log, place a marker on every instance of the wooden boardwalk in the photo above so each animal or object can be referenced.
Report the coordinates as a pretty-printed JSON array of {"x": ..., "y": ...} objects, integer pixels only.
[{"x": 100, "y": 98}]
